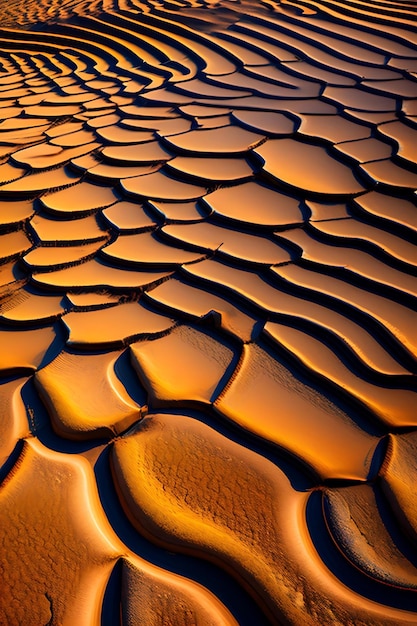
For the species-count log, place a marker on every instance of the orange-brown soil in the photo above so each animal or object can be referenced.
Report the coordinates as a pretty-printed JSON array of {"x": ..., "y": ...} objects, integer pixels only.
[{"x": 208, "y": 348}]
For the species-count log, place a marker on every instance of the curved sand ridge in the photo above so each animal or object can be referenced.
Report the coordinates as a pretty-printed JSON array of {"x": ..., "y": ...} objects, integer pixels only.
[{"x": 207, "y": 312}]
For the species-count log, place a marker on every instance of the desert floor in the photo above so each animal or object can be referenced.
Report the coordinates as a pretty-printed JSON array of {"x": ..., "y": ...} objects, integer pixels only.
[{"x": 208, "y": 322}]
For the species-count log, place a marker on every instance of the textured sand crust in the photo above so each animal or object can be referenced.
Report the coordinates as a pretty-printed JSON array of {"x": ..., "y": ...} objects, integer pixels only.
[{"x": 208, "y": 347}]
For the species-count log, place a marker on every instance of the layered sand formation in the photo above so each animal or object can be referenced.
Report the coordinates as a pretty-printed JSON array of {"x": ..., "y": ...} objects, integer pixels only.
[{"x": 207, "y": 313}]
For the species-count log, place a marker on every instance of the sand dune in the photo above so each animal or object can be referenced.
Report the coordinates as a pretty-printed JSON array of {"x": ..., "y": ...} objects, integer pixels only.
[{"x": 207, "y": 312}]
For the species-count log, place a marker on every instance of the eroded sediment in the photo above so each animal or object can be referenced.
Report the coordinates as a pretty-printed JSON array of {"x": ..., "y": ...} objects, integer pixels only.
[{"x": 207, "y": 312}]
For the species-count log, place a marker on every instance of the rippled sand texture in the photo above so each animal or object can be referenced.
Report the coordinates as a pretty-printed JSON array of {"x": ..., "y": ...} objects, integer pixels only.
[{"x": 208, "y": 337}]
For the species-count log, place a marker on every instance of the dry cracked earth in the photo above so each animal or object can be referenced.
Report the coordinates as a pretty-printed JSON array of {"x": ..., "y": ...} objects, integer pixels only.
[{"x": 208, "y": 313}]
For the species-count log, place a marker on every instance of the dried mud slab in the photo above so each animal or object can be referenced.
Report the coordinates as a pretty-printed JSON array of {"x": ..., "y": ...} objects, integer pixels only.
[
  {"x": 203, "y": 305},
  {"x": 236, "y": 245},
  {"x": 155, "y": 598},
  {"x": 79, "y": 199},
  {"x": 144, "y": 248},
  {"x": 50, "y": 506},
  {"x": 24, "y": 349},
  {"x": 285, "y": 410},
  {"x": 365, "y": 539},
  {"x": 236, "y": 204},
  {"x": 26, "y": 307},
  {"x": 230, "y": 505},
  {"x": 95, "y": 275},
  {"x": 13, "y": 422},
  {"x": 398, "y": 480},
  {"x": 184, "y": 366},
  {"x": 395, "y": 407},
  {"x": 128, "y": 216},
  {"x": 66, "y": 383},
  {"x": 207, "y": 312},
  {"x": 112, "y": 326},
  {"x": 307, "y": 167},
  {"x": 53, "y": 498}
]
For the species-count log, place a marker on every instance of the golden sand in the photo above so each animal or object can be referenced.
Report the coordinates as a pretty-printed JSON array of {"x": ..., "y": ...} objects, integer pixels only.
[{"x": 208, "y": 350}]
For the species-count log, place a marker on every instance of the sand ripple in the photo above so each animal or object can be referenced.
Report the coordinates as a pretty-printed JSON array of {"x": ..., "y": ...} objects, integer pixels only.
[{"x": 207, "y": 312}]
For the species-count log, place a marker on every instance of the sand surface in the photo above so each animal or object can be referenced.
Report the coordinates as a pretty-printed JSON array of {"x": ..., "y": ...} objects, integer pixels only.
[{"x": 208, "y": 224}]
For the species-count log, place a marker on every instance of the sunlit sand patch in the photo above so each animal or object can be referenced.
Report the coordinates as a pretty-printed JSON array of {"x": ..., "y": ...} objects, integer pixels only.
[
  {"x": 365, "y": 150},
  {"x": 81, "y": 198},
  {"x": 128, "y": 216},
  {"x": 281, "y": 85},
  {"x": 145, "y": 248},
  {"x": 201, "y": 304},
  {"x": 31, "y": 184},
  {"x": 146, "y": 152},
  {"x": 395, "y": 406},
  {"x": 85, "y": 162},
  {"x": 159, "y": 186},
  {"x": 161, "y": 492},
  {"x": 47, "y": 155},
  {"x": 117, "y": 135},
  {"x": 186, "y": 366},
  {"x": 111, "y": 173},
  {"x": 328, "y": 75},
  {"x": 396, "y": 318},
  {"x": 24, "y": 349},
  {"x": 307, "y": 167},
  {"x": 13, "y": 213},
  {"x": 80, "y": 138},
  {"x": 230, "y": 140},
  {"x": 265, "y": 122},
  {"x": 387, "y": 173},
  {"x": 332, "y": 128},
  {"x": 27, "y": 307},
  {"x": 90, "y": 301},
  {"x": 48, "y": 110},
  {"x": 171, "y": 126},
  {"x": 180, "y": 601},
  {"x": 13, "y": 420},
  {"x": 285, "y": 410},
  {"x": 107, "y": 327},
  {"x": 14, "y": 243},
  {"x": 191, "y": 211},
  {"x": 383, "y": 560},
  {"x": 397, "y": 211},
  {"x": 59, "y": 256},
  {"x": 58, "y": 506},
  {"x": 64, "y": 385},
  {"x": 236, "y": 203},
  {"x": 388, "y": 243},
  {"x": 104, "y": 119},
  {"x": 157, "y": 112},
  {"x": 21, "y": 138},
  {"x": 208, "y": 210},
  {"x": 10, "y": 279},
  {"x": 9, "y": 173},
  {"x": 360, "y": 99},
  {"x": 235, "y": 244},
  {"x": 397, "y": 476},
  {"x": 196, "y": 87},
  {"x": 270, "y": 301},
  {"x": 67, "y": 231},
  {"x": 213, "y": 170},
  {"x": 358, "y": 262},
  {"x": 93, "y": 275}
]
